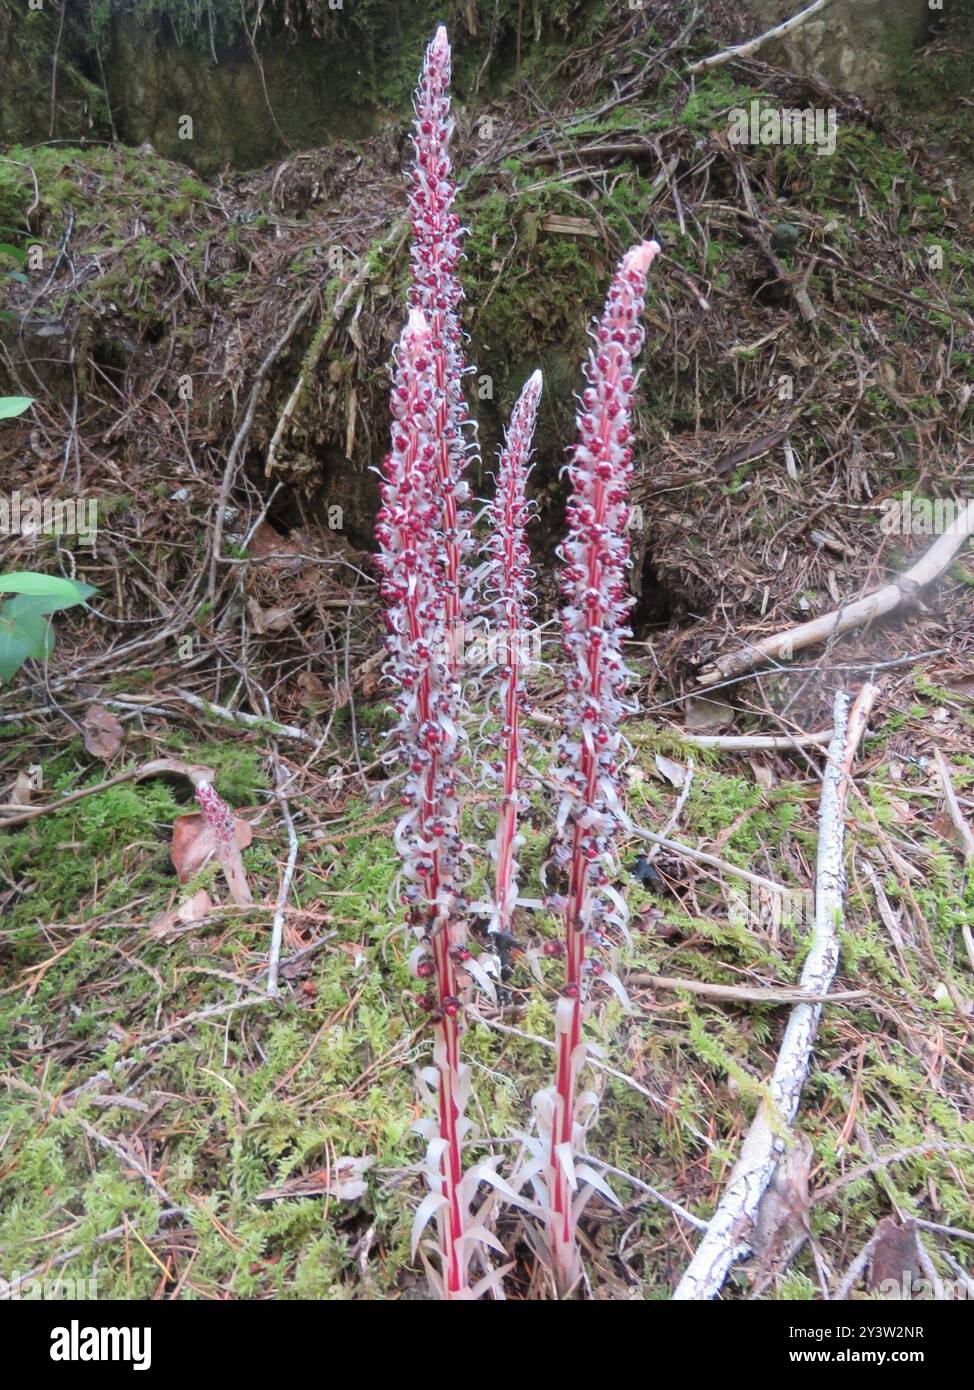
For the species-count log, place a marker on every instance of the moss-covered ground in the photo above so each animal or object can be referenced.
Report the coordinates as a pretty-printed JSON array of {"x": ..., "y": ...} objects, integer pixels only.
[
  {"x": 153, "y": 1102},
  {"x": 165, "y": 1048}
]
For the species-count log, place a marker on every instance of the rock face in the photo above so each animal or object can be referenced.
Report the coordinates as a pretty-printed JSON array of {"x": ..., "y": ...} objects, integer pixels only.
[
  {"x": 310, "y": 93},
  {"x": 202, "y": 98},
  {"x": 856, "y": 45},
  {"x": 155, "y": 72}
]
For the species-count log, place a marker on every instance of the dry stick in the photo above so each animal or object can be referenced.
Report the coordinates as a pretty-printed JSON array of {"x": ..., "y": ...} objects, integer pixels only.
[
  {"x": 277, "y": 927},
  {"x": 325, "y": 340},
  {"x": 781, "y": 646},
  {"x": 755, "y": 743},
  {"x": 700, "y": 857},
  {"x": 727, "y": 1235},
  {"x": 759, "y": 994},
  {"x": 744, "y": 50},
  {"x": 232, "y": 716},
  {"x": 731, "y": 743},
  {"x": 240, "y": 438},
  {"x": 953, "y": 809},
  {"x": 156, "y": 767},
  {"x": 966, "y": 838}
]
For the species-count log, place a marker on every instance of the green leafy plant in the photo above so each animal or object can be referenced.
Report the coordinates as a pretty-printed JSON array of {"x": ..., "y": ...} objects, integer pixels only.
[
  {"x": 10, "y": 254},
  {"x": 13, "y": 405},
  {"x": 25, "y": 627}
]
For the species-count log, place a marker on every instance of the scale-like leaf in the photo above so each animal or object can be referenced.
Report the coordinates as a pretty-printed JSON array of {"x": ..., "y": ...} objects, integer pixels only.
[{"x": 427, "y": 1209}]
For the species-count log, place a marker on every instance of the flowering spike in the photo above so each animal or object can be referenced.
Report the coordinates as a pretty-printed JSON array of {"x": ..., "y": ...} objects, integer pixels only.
[
  {"x": 435, "y": 254},
  {"x": 596, "y": 603},
  {"x": 508, "y": 574},
  {"x": 216, "y": 813},
  {"x": 423, "y": 530}
]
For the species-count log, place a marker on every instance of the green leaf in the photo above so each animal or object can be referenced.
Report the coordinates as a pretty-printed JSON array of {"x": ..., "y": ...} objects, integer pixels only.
[
  {"x": 24, "y": 605},
  {"x": 32, "y": 630},
  {"x": 69, "y": 591},
  {"x": 14, "y": 405},
  {"x": 21, "y": 636},
  {"x": 14, "y": 252},
  {"x": 25, "y": 628},
  {"x": 13, "y": 654}
]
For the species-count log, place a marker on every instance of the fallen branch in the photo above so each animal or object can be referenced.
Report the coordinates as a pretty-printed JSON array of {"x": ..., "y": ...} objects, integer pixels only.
[
  {"x": 280, "y": 907},
  {"x": 156, "y": 768},
  {"x": 756, "y": 743},
  {"x": 236, "y": 716},
  {"x": 728, "y": 1234},
  {"x": 744, "y": 50},
  {"x": 783, "y": 645},
  {"x": 700, "y": 856},
  {"x": 769, "y": 994},
  {"x": 739, "y": 743},
  {"x": 965, "y": 834},
  {"x": 324, "y": 339}
]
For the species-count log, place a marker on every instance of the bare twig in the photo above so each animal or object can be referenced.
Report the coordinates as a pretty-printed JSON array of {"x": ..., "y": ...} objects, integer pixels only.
[
  {"x": 875, "y": 605},
  {"x": 673, "y": 818},
  {"x": 157, "y": 767},
  {"x": 744, "y": 50},
  {"x": 953, "y": 808},
  {"x": 770, "y": 994},
  {"x": 727, "y": 1235},
  {"x": 277, "y": 927},
  {"x": 699, "y": 856},
  {"x": 755, "y": 743}
]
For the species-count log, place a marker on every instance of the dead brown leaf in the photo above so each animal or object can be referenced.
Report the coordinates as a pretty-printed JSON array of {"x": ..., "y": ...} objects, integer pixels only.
[
  {"x": 763, "y": 773},
  {"x": 194, "y": 843},
  {"x": 669, "y": 771},
  {"x": 782, "y": 1215},
  {"x": 311, "y": 689},
  {"x": 895, "y": 1256},
  {"x": 183, "y": 918},
  {"x": 103, "y": 732},
  {"x": 343, "y": 1181},
  {"x": 22, "y": 790},
  {"x": 704, "y": 716}
]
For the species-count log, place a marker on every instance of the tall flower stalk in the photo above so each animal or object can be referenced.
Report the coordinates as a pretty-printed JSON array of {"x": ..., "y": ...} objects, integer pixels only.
[
  {"x": 509, "y": 572},
  {"x": 426, "y": 538},
  {"x": 426, "y": 740},
  {"x": 435, "y": 250},
  {"x": 596, "y": 597}
]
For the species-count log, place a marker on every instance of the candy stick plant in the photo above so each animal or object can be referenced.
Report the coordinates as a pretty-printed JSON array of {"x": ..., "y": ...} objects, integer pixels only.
[
  {"x": 509, "y": 570},
  {"x": 425, "y": 538},
  {"x": 597, "y": 600}
]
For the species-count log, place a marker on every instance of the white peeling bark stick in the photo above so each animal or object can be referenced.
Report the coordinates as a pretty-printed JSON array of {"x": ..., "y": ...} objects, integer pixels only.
[
  {"x": 783, "y": 645},
  {"x": 728, "y": 1233}
]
